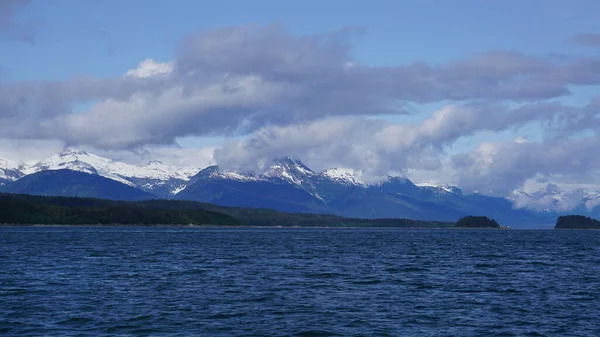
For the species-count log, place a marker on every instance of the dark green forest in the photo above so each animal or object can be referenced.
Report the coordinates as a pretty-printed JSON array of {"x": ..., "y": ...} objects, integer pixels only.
[
  {"x": 25, "y": 209},
  {"x": 43, "y": 210},
  {"x": 576, "y": 222},
  {"x": 477, "y": 222}
]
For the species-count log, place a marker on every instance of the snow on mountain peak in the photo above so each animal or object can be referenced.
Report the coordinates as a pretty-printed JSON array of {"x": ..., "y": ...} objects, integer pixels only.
[
  {"x": 66, "y": 160},
  {"x": 445, "y": 188},
  {"x": 72, "y": 152},
  {"x": 146, "y": 177},
  {"x": 154, "y": 163},
  {"x": 345, "y": 175},
  {"x": 9, "y": 170},
  {"x": 289, "y": 169},
  {"x": 7, "y": 164},
  {"x": 216, "y": 173}
]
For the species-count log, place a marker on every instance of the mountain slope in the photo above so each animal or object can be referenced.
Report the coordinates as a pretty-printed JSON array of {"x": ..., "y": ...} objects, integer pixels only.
[
  {"x": 282, "y": 193},
  {"x": 74, "y": 184}
]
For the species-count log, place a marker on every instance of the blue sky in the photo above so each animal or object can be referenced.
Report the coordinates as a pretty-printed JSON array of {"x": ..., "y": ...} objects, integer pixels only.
[
  {"x": 104, "y": 38},
  {"x": 97, "y": 41}
]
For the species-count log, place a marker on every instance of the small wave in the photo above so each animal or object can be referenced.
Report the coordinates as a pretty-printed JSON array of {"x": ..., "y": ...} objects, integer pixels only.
[
  {"x": 118, "y": 329},
  {"x": 485, "y": 265},
  {"x": 260, "y": 299},
  {"x": 75, "y": 321},
  {"x": 196, "y": 271},
  {"x": 413, "y": 269},
  {"x": 367, "y": 282},
  {"x": 227, "y": 315},
  {"x": 316, "y": 333},
  {"x": 139, "y": 318},
  {"x": 159, "y": 253},
  {"x": 324, "y": 275}
]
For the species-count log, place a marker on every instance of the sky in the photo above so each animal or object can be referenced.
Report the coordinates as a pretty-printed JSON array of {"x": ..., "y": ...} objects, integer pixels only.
[{"x": 492, "y": 96}]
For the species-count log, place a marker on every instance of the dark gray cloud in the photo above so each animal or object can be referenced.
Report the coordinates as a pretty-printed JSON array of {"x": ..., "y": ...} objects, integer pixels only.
[{"x": 9, "y": 27}]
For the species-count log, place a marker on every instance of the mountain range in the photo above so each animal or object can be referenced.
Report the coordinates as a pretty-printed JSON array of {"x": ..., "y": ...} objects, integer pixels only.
[
  {"x": 156, "y": 178},
  {"x": 286, "y": 185}
]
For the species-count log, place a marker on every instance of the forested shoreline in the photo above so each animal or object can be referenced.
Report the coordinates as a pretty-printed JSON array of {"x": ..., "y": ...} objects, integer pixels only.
[{"x": 20, "y": 209}]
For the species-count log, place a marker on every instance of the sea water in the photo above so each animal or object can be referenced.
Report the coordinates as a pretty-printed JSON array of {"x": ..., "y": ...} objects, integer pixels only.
[{"x": 148, "y": 281}]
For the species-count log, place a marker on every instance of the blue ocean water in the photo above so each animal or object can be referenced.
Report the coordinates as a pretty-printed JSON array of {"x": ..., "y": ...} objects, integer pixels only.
[{"x": 140, "y": 281}]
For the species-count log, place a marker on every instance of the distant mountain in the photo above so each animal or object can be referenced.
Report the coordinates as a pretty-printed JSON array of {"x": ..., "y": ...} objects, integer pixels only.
[
  {"x": 74, "y": 184},
  {"x": 289, "y": 185},
  {"x": 279, "y": 188},
  {"x": 161, "y": 180}
]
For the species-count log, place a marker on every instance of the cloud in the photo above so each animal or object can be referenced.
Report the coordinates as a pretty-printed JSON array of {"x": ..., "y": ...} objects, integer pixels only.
[
  {"x": 176, "y": 156},
  {"x": 552, "y": 197},
  {"x": 306, "y": 96},
  {"x": 31, "y": 151},
  {"x": 590, "y": 40},
  {"x": 9, "y": 27},
  {"x": 149, "y": 68},
  {"x": 237, "y": 80},
  {"x": 21, "y": 151},
  {"x": 380, "y": 147},
  {"x": 501, "y": 167}
]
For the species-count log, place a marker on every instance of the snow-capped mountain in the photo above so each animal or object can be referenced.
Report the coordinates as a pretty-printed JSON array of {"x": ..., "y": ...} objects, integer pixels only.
[
  {"x": 281, "y": 171},
  {"x": 284, "y": 169},
  {"x": 9, "y": 171},
  {"x": 154, "y": 177},
  {"x": 292, "y": 170},
  {"x": 289, "y": 185}
]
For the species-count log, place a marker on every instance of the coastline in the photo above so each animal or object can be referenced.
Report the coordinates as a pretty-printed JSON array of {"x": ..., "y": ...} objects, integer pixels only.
[{"x": 240, "y": 226}]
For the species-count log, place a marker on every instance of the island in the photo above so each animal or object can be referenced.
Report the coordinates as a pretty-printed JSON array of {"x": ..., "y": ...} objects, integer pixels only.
[
  {"x": 472, "y": 221},
  {"x": 576, "y": 222}
]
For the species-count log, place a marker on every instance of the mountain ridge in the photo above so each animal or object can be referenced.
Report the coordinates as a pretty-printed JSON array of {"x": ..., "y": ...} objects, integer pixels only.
[
  {"x": 296, "y": 189},
  {"x": 288, "y": 184},
  {"x": 153, "y": 177}
]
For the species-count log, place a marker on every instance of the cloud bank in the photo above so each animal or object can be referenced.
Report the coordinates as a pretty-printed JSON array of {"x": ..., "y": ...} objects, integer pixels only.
[{"x": 273, "y": 94}]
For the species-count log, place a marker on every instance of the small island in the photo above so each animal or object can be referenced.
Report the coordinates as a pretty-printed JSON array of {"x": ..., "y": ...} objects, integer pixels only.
[
  {"x": 576, "y": 222},
  {"x": 477, "y": 222}
]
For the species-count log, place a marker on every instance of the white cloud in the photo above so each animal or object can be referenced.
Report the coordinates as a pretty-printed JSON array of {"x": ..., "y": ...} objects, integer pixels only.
[
  {"x": 149, "y": 68},
  {"x": 237, "y": 80},
  {"x": 21, "y": 151},
  {"x": 499, "y": 168},
  {"x": 381, "y": 147}
]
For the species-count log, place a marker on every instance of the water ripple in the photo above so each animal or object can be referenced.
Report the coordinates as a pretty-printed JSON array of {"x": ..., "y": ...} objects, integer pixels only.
[{"x": 298, "y": 282}]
